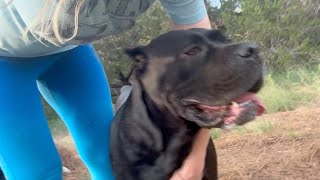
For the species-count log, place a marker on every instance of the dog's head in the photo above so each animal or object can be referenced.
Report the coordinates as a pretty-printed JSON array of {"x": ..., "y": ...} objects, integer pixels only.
[{"x": 201, "y": 76}]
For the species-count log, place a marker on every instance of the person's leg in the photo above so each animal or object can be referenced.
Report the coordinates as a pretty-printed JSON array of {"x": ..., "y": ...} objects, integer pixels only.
[
  {"x": 27, "y": 150},
  {"x": 77, "y": 88}
]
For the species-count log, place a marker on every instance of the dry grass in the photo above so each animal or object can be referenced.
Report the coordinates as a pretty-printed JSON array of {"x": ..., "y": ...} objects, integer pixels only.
[
  {"x": 71, "y": 160},
  {"x": 285, "y": 148},
  {"x": 290, "y": 150}
]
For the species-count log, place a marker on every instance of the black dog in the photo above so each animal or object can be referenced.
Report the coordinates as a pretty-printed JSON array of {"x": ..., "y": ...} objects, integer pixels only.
[
  {"x": 183, "y": 80},
  {"x": 1, "y": 175}
]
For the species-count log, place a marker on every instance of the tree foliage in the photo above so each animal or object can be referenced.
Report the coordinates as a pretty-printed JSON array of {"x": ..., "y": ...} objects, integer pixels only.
[
  {"x": 111, "y": 49},
  {"x": 287, "y": 31}
]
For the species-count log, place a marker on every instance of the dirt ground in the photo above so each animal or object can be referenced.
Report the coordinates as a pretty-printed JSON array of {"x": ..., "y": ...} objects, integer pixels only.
[{"x": 279, "y": 146}]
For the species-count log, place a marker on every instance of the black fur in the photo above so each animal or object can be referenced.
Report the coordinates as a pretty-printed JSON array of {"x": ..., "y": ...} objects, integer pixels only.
[{"x": 152, "y": 133}]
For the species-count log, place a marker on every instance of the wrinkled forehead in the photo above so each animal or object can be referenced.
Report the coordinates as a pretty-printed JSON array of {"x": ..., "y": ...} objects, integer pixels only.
[{"x": 175, "y": 41}]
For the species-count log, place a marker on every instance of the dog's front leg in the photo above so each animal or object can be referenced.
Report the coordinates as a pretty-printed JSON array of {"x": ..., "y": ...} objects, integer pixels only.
[
  {"x": 211, "y": 165},
  {"x": 168, "y": 162}
]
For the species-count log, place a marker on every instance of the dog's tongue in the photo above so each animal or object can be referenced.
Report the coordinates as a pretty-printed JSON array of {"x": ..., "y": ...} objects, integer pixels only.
[
  {"x": 247, "y": 97},
  {"x": 254, "y": 98}
]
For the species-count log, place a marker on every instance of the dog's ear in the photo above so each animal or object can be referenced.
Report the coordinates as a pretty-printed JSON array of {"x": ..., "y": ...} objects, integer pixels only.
[{"x": 137, "y": 53}]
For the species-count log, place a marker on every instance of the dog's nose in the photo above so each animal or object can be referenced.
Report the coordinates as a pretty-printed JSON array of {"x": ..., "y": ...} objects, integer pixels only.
[{"x": 247, "y": 50}]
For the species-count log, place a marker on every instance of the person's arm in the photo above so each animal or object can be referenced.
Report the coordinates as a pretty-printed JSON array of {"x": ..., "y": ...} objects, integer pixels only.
[
  {"x": 187, "y": 14},
  {"x": 203, "y": 23},
  {"x": 192, "y": 168}
]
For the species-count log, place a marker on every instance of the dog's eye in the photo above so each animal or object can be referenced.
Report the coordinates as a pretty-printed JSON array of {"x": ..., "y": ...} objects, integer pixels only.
[{"x": 193, "y": 51}]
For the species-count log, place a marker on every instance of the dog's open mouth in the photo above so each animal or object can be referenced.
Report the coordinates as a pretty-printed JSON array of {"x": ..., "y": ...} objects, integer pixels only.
[{"x": 240, "y": 111}]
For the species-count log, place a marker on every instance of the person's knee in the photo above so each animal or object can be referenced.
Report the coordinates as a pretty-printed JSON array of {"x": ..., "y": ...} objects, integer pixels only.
[
  {"x": 54, "y": 173},
  {"x": 95, "y": 153},
  {"x": 49, "y": 169}
]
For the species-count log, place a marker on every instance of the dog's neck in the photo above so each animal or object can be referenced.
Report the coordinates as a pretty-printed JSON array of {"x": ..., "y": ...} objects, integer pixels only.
[
  {"x": 160, "y": 118},
  {"x": 167, "y": 135},
  {"x": 159, "y": 114}
]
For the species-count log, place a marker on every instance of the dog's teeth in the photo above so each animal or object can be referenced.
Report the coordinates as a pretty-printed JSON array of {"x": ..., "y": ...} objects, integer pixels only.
[
  {"x": 234, "y": 104},
  {"x": 228, "y": 127},
  {"x": 189, "y": 102}
]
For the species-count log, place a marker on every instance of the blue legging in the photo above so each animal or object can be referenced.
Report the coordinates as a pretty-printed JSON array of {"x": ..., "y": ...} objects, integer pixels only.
[{"x": 75, "y": 85}]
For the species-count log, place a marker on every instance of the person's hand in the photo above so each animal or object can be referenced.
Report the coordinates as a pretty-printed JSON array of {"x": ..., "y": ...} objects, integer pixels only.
[
  {"x": 193, "y": 166},
  {"x": 189, "y": 171}
]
